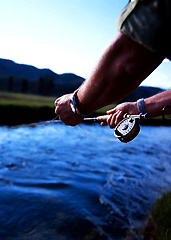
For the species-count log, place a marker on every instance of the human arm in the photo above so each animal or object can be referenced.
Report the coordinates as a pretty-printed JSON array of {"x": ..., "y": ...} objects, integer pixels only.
[
  {"x": 122, "y": 67},
  {"x": 153, "y": 106}
]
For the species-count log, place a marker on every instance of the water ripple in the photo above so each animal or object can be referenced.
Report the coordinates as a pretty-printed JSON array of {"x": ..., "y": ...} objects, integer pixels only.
[{"x": 57, "y": 183}]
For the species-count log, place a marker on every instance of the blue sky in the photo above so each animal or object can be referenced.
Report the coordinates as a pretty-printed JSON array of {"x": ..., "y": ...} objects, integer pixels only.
[{"x": 63, "y": 35}]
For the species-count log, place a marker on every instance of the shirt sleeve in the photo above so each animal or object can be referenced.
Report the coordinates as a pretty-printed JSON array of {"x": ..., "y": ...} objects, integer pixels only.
[{"x": 148, "y": 22}]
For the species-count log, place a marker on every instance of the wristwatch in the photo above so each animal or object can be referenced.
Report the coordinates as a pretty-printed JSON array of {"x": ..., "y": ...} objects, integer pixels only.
[
  {"x": 141, "y": 106},
  {"x": 74, "y": 103}
]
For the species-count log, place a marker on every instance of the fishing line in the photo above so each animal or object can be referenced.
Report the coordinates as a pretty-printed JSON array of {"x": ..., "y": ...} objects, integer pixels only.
[
  {"x": 90, "y": 119},
  {"x": 34, "y": 124},
  {"x": 93, "y": 119},
  {"x": 55, "y": 120},
  {"x": 99, "y": 139}
]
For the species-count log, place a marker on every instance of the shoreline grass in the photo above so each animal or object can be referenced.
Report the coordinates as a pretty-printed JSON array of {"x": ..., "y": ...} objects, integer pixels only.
[
  {"x": 30, "y": 100},
  {"x": 25, "y": 100},
  {"x": 159, "y": 223}
]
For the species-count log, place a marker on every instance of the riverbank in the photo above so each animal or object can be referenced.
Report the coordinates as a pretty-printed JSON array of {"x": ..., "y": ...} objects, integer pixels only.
[
  {"x": 159, "y": 224},
  {"x": 17, "y": 108}
]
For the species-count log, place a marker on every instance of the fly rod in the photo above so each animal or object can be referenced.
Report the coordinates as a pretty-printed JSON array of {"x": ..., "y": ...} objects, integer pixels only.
[
  {"x": 126, "y": 130},
  {"x": 55, "y": 120}
]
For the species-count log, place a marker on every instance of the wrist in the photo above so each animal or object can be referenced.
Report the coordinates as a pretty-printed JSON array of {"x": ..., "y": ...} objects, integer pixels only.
[
  {"x": 141, "y": 106},
  {"x": 75, "y": 104},
  {"x": 135, "y": 108}
]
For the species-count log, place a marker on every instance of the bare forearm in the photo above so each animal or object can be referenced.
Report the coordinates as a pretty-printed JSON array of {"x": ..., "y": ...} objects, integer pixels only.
[
  {"x": 123, "y": 66},
  {"x": 155, "y": 103},
  {"x": 153, "y": 106}
]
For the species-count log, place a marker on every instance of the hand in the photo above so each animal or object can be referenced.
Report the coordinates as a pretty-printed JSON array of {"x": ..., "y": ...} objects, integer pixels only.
[
  {"x": 63, "y": 110},
  {"x": 116, "y": 114}
]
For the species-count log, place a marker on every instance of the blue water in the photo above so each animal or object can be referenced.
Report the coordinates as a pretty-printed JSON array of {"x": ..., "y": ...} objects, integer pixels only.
[{"x": 56, "y": 183}]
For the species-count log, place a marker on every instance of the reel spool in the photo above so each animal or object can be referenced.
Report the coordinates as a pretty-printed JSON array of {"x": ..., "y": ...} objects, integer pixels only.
[{"x": 127, "y": 129}]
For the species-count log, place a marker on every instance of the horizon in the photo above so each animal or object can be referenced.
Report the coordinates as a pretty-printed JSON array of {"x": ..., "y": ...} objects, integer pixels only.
[
  {"x": 141, "y": 85},
  {"x": 64, "y": 36}
]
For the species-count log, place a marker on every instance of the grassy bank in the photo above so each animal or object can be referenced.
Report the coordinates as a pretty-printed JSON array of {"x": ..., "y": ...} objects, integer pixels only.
[
  {"x": 17, "y": 108},
  {"x": 159, "y": 225},
  {"x": 25, "y": 100}
]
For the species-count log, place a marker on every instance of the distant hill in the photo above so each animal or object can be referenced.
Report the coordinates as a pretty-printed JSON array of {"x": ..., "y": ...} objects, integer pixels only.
[
  {"x": 28, "y": 79},
  {"x": 142, "y": 92}
]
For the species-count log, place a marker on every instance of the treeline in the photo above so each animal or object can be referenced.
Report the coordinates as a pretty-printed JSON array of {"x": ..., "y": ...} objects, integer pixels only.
[
  {"x": 46, "y": 86},
  {"x": 20, "y": 78},
  {"x": 42, "y": 86}
]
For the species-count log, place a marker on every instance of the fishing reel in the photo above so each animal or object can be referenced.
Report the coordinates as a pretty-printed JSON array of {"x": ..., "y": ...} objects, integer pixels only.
[{"x": 127, "y": 129}]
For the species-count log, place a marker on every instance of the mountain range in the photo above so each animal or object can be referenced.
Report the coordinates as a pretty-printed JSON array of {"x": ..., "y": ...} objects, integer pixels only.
[{"x": 23, "y": 78}]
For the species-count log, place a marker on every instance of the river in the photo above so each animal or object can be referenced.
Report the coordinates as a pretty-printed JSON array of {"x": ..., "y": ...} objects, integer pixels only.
[{"x": 57, "y": 183}]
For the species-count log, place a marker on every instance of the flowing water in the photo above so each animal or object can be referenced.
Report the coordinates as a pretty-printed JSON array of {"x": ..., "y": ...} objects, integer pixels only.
[{"x": 56, "y": 183}]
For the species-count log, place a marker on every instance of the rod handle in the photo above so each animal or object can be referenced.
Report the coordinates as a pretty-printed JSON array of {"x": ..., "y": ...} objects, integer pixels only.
[
  {"x": 102, "y": 118},
  {"x": 105, "y": 117}
]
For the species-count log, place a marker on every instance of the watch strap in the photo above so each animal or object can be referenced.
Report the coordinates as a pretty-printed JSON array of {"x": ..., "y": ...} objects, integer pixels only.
[
  {"x": 141, "y": 106},
  {"x": 74, "y": 104}
]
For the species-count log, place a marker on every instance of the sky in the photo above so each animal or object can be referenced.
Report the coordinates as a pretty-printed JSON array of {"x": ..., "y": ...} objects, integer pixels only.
[{"x": 64, "y": 35}]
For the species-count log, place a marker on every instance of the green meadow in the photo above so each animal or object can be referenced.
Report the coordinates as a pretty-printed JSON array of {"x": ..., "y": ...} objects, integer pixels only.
[
  {"x": 17, "y": 108},
  {"x": 25, "y": 100},
  {"x": 29, "y": 100}
]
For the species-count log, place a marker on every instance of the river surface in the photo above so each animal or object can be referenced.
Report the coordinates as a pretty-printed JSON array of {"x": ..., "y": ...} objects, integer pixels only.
[{"x": 56, "y": 183}]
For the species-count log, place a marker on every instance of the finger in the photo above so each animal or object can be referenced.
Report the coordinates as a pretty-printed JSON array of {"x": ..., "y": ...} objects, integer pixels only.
[
  {"x": 112, "y": 121},
  {"x": 56, "y": 101},
  {"x": 57, "y": 110},
  {"x": 103, "y": 124},
  {"x": 111, "y": 111},
  {"x": 109, "y": 119},
  {"x": 118, "y": 117}
]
